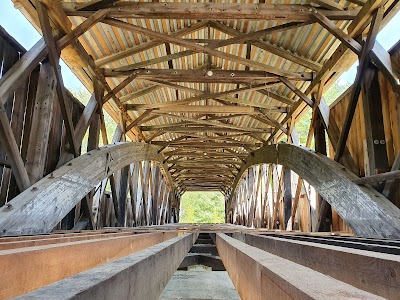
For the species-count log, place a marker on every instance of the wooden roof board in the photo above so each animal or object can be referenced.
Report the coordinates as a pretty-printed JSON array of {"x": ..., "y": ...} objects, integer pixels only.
[{"x": 306, "y": 43}]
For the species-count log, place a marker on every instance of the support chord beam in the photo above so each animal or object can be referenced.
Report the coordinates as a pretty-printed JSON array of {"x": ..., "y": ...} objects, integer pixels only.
[
  {"x": 54, "y": 262},
  {"x": 208, "y": 109},
  {"x": 256, "y": 273},
  {"x": 312, "y": 255},
  {"x": 215, "y": 11},
  {"x": 115, "y": 279},
  {"x": 221, "y": 76}
]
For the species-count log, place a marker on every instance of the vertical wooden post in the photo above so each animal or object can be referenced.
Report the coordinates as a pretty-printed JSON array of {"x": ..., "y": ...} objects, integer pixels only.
[
  {"x": 376, "y": 155},
  {"x": 324, "y": 208},
  {"x": 41, "y": 123},
  {"x": 123, "y": 191},
  {"x": 94, "y": 133},
  {"x": 287, "y": 195}
]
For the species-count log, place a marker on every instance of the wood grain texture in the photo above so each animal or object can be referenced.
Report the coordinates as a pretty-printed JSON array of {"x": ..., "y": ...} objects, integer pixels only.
[
  {"x": 49, "y": 263},
  {"x": 129, "y": 277},
  {"x": 367, "y": 212},
  {"x": 257, "y": 274},
  {"x": 41, "y": 207},
  {"x": 366, "y": 270}
]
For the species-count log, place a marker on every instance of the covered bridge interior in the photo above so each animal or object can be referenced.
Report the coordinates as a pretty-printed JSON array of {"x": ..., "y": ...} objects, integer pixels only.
[{"x": 207, "y": 96}]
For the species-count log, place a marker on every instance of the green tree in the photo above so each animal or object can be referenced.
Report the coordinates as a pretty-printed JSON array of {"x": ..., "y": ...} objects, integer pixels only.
[{"x": 202, "y": 207}]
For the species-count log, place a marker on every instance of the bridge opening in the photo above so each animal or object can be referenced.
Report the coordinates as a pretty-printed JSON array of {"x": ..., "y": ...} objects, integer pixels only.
[{"x": 202, "y": 207}]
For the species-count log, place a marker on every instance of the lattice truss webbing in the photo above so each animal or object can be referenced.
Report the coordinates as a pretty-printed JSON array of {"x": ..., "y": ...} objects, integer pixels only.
[
  {"x": 133, "y": 196},
  {"x": 264, "y": 199},
  {"x": 260, "y": 200}
]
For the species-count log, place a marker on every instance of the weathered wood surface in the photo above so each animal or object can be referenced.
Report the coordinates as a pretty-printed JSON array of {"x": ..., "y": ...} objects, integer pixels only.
[
  {"x": 40, "y": 240},
  {"x": 46, "y": 264},
  {"x": 41, "y": 207},
  {"x": 41, "y": 123},
  {"x": 142, "y": 275},
  {"x": 377, "y": 273},
  {"x": 18, "y": 90},
  {"x": 257, "y": 274},
  {"x": 366, "y": 211},
  {"x": 217, "y": 11},
  {"x": 391, "y": 124}
]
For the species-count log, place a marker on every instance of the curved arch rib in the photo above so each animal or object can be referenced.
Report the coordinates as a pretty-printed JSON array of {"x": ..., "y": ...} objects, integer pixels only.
[
  {"x": 367, "y": 212},
  {"x": 42, "y": 206}
]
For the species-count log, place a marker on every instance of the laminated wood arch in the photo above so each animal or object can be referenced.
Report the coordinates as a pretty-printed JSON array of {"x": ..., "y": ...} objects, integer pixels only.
[
  {"x": 366, "y": 211},
  {"x": 42, "y": 206}
]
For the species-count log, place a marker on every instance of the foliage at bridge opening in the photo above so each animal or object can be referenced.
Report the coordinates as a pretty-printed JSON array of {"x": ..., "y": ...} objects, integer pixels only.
[{"x": 202, "y": 207}]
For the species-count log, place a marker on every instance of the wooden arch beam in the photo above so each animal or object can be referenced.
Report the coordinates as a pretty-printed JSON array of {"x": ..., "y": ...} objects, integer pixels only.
[
  {"x": 41, "y": 207},
  {"x": 367, "y": 212}
]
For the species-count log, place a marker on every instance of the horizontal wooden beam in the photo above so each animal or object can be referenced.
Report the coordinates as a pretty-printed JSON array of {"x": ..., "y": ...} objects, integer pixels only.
[
  {"x": 186, "y": 129},
  {"x": 29, "y": 268},
  {"x": 222, "y": 76},
  {"x": 205, "y": 168},
  {"x": 256, "y": 273},
  {"x": 215, "y": 11},
  {"x": 194, "y": 142},
  {"x": 207, "y": 109},
  {"x": 356, "y": 262},
  {"x": 51, "y": 239},
  {"x": 208, "y": 154},
  {"x": 393, "y": 175}
]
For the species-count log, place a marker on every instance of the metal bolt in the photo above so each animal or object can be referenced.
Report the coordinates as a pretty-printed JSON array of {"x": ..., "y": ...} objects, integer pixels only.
[
  {"x": 383, "y": 142},
  {"x": 376, "y": 142}
]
